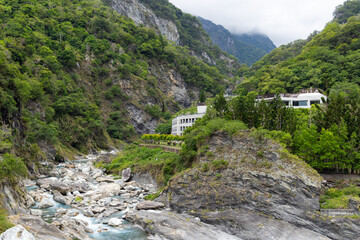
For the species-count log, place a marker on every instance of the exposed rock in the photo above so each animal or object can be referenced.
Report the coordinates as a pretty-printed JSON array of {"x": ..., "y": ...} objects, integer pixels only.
[
  {"x": 58, "y": 197},
  {"x": 17, "y": 233},
  {"x": 115, "y": 222},
  {"x": 29, "y": 201},
  {"x": 107, "y": 179},
  {"x": 98, "y": 210},
  {"x": 126, "y": 174},
  {"x": 149, "y": 205},
  {"x": 354, "y": 204},
  {"x": 172, "y": 226},
  {"x": 144, "y": 15},
  {"x": 257, "y": 226},
  {"x": 75, "y": 228},
  {"x": 81, "y": 187},
  {"x": 36, "y": 212},
  {"x": 261, "y": 177},
  {"x": 61, "y": 187},
  {"x": 97, "y": 173},
  {"x": 38, "y": 227},
  {"x": 45, "y": 203}
]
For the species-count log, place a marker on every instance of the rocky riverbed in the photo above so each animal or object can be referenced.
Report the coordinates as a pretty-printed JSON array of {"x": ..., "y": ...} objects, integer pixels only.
[{"x": 75, "y": 200}]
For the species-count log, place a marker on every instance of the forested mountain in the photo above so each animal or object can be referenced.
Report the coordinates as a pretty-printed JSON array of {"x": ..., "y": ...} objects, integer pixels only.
[
  {"x": 78, "y": 75},
  {"x": 248, "y": 48},
  {"x": 326, "y": 137},
  {"x": 179, "y": 27},
  {"x": 325, "y": 58}
]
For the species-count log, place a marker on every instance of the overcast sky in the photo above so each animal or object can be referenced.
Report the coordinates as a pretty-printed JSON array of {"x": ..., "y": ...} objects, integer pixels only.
[{"x": 282, "y": 20}]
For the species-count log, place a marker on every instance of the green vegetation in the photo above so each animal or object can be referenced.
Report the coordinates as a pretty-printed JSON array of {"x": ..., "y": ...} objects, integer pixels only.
[
  {"x": 62, "y": 64},
  {"x": 335, "y": 198},
  {"x": 192, "y": 35},
  {"x": 322, "y": 60},
  {"x": 160, "y": 164},
  {"x": 164, "y": 128},
  {"x": 11, "y": 168},
  {"x": 4, "y": 222}
]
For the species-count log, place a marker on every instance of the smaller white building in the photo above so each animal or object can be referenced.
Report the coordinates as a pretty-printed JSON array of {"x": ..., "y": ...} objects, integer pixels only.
[
  {"x": 180, "y": 123},
  {"x": 304, "y": 99}
]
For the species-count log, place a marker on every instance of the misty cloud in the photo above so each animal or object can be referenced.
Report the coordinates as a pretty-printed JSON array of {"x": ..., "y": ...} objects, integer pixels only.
[{"x": 282, "y": 20}]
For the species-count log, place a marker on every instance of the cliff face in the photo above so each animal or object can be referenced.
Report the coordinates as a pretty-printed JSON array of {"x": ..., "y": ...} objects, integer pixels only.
[
  {"x": 255, "y": 179},
  {"x": 142, "y": 14}
]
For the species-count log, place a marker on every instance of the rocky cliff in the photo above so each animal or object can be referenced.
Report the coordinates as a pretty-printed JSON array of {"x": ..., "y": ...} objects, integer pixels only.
[
  {"x": 256, "y": 190},
  {"x": 142, "y": 14}
]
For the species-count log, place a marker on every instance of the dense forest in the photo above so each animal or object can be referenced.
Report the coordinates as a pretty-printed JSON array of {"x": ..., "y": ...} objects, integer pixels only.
[
  {"x": 326, "y": 57},
  {"x": 63, "y": 65}
]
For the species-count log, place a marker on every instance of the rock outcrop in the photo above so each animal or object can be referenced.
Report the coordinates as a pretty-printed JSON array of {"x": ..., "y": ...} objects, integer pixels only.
[
  {"x": 38, "y": 227},
  {"x": 17, "y": 233},
  {"x": 141, "y": 14},
  {"x": 171, "y": 226},
  {"x": 242, "y": 173}
]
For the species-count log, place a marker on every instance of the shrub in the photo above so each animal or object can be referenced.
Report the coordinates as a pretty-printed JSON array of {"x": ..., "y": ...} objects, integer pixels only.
[
  {"x": 4, "y": 222},
  {"x": 11, "y": 168},
  {"x": 219, "y": 164}
]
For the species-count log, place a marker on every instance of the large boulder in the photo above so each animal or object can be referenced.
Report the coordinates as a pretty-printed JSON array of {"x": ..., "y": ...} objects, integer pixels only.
[
  {"x": 38, "y": 227},
  {"x": 126, "y": 174},
  {"x": 45, "y": 203},
  {"x": 58, "y": 197},
  {"x": 17, "y": 233},
  {"x": 149, "y": 205}
]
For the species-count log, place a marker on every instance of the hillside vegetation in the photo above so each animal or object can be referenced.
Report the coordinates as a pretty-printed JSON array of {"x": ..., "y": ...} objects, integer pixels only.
[
  {"x": 69, "y": 70},
  {"x": 325, "y": 58}
]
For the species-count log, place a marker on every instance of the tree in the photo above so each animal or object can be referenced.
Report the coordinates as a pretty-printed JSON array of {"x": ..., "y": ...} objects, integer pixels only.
[{"x": 202, "y": 97}]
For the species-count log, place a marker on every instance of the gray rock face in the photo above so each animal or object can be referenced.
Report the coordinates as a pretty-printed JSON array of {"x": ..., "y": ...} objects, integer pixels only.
[
  {"x": 149, "y": 205},
  {"x": 126, "y": 174},
  {"x": 45, "y": 203},
  {"x": 35, "y": 212},
  {"x": 141, "y": 14},
  {"x": 38, "y": 227},
  {"x": 258, "y": 226},
  {"x": 272, "y": 183},
  {"x": 17, "y": 233},
  {"x": 172, "y": 226},
  {"x": 58, "y": 197},
  {"x": 75, "y": 228}
]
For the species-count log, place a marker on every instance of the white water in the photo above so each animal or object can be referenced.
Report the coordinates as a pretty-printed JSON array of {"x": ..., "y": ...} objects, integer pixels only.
[{"x": 101, "y": 231}]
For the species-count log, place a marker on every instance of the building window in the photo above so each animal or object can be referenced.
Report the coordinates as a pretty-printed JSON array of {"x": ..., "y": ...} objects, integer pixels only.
[
  {"x": 300, "y": 103},
  {"x": 314, "y": 102},
  {"x": 286, "y": 103}
]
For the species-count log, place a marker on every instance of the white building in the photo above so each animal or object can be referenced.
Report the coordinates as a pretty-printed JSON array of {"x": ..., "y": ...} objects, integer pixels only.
[
  {"x": 303, "y": 99},
  {"x": 180, "y": 123}
]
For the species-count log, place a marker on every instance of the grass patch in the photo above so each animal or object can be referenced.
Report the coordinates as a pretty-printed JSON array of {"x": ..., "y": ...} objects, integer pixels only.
[
  {"x": 335, "y": 198},
  {"x": 160, "y": 164},
  {"x": 154, "y": 195},
  {"x": 4, "y": 222}
]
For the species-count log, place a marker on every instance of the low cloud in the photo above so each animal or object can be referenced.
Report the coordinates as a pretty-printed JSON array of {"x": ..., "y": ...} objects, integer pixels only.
[{"x": 282, "y": 20}]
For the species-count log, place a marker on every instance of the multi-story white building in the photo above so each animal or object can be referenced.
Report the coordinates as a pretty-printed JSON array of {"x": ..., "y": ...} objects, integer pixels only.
[
  {"x": 304, "y": 99},
  {"x": 180, "y": 123}
]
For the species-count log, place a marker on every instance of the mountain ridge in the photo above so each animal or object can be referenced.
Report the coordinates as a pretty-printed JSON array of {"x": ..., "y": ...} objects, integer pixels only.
[{"x": 247, "y": 47}]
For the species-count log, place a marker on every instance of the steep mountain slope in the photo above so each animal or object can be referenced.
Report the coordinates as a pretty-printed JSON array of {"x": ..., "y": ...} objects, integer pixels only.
[
  {"x": 325, "y": 58},
  {"x": 179, "y": 27},
  {"x": 78, "y": 75},
  {"x": 248, "y": 48}
]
